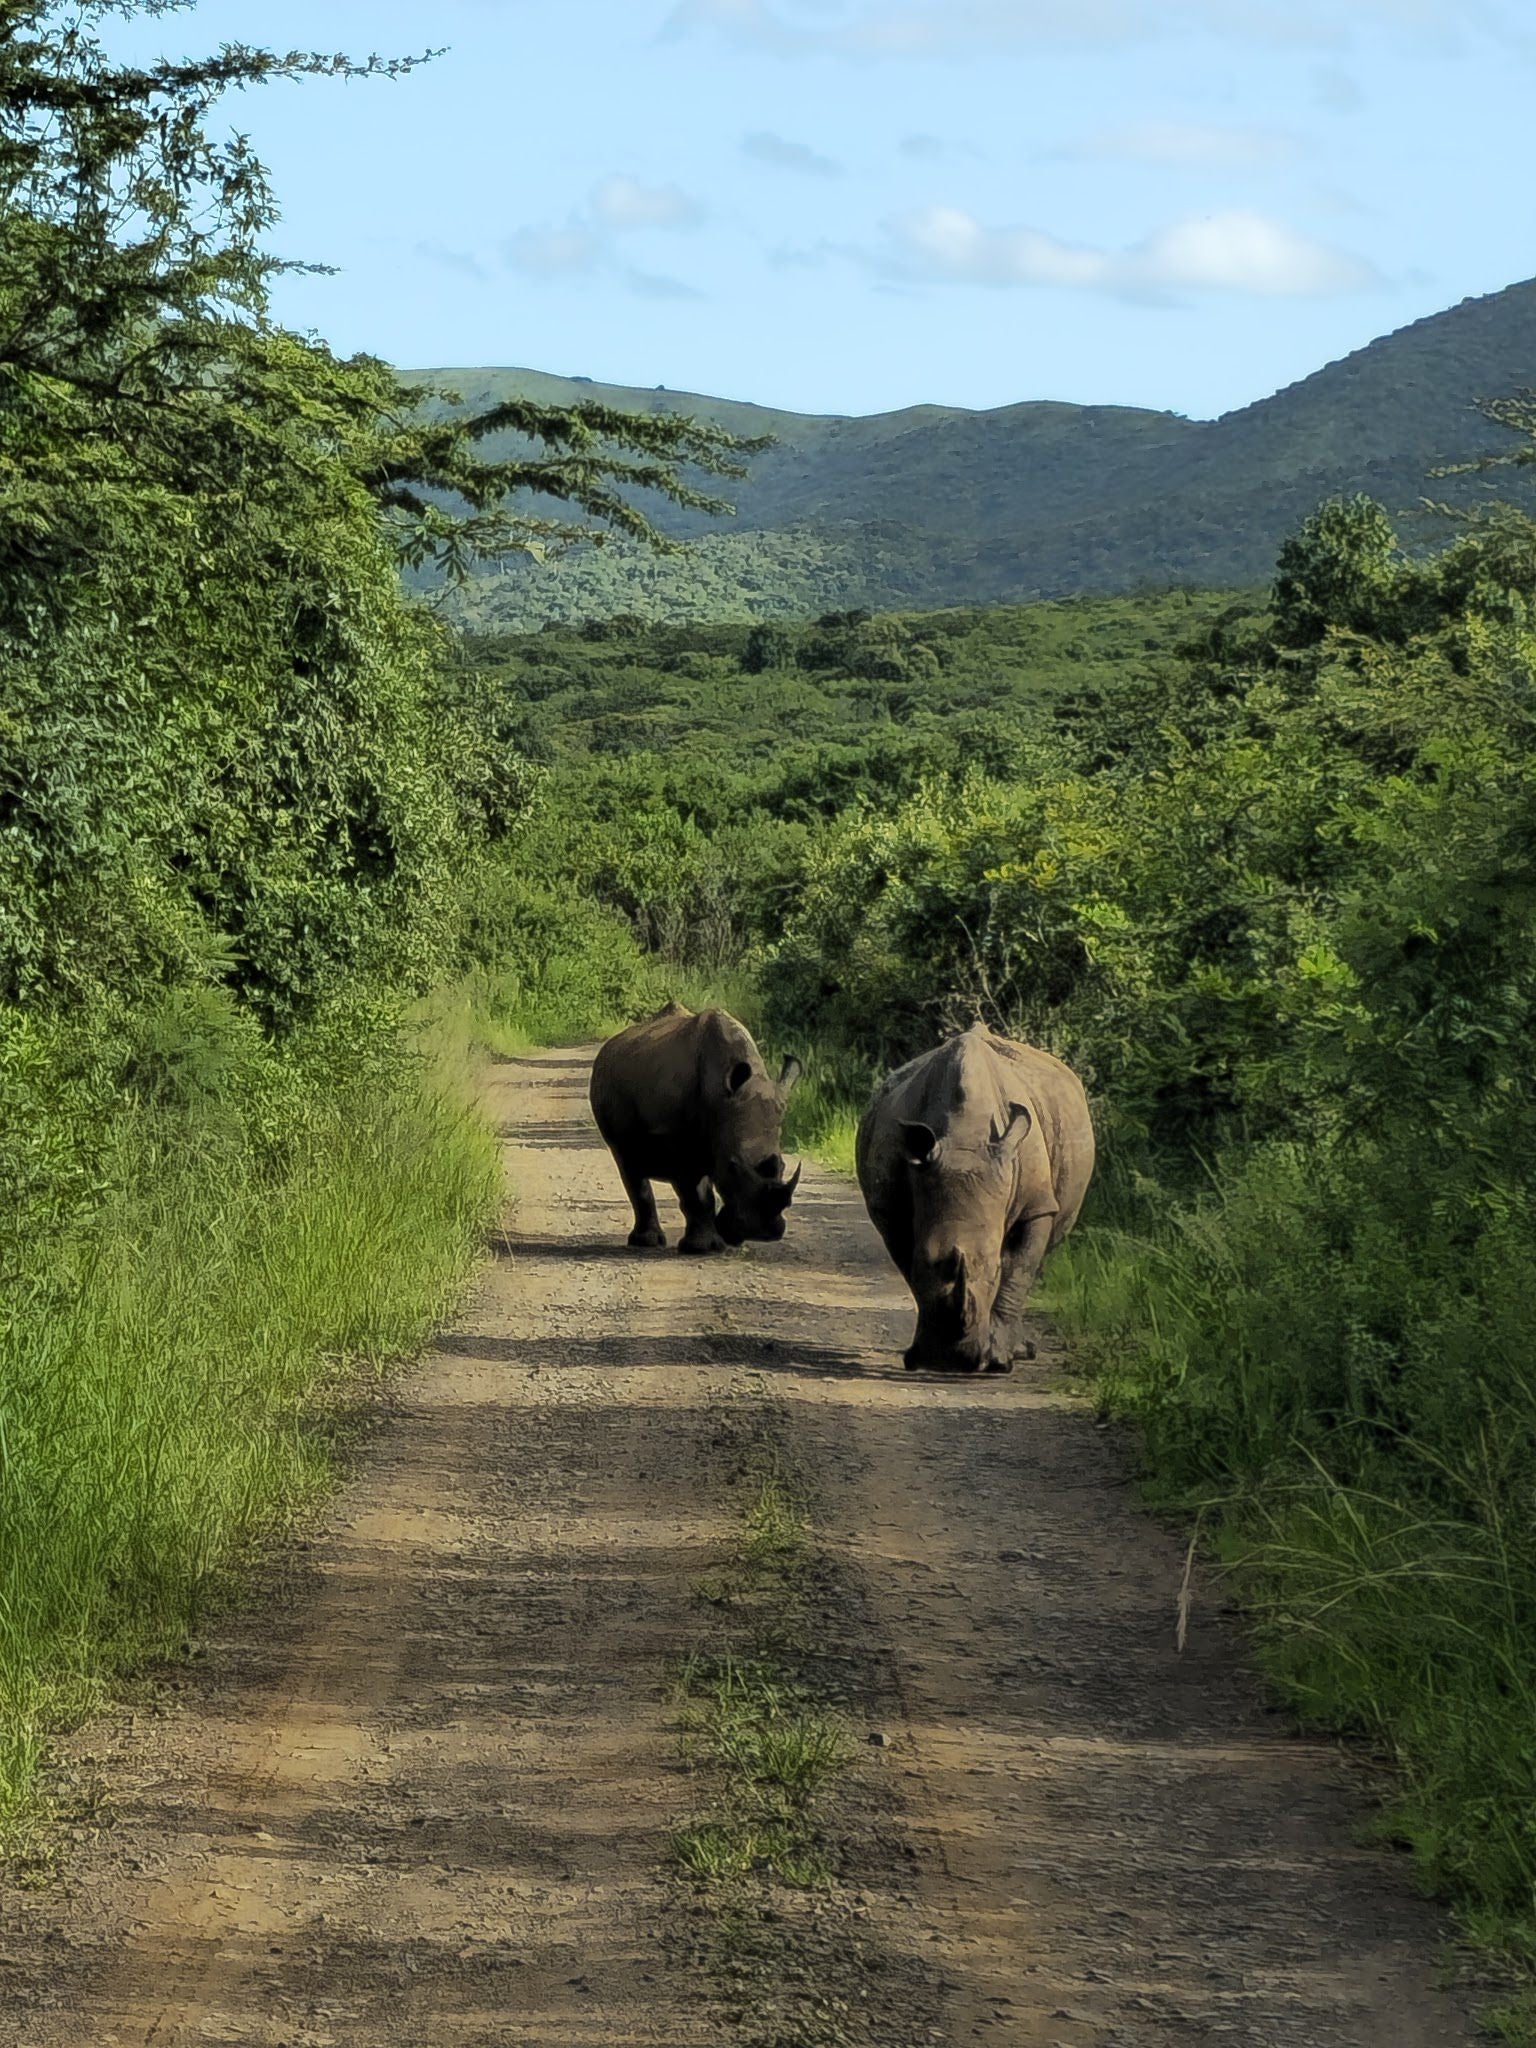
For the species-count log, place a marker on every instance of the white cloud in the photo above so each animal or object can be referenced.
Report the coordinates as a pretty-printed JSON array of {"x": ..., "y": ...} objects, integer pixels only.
[
  {"x": 1186, "y": 145},
  {"x": 624, "y": 204},
  {"x": 1222, "y": 252},
  {"x": 592, "y": 238},
  {"x": 942, "y": 28},
  {"x": 783, "y": 155},
  {"x": 1246, "y": 252},
  {"x": 555, "y": 252},
  {"x": 948, "y": 242}
]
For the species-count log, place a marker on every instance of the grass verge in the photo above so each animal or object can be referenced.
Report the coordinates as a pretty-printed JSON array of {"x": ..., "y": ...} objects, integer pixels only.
[
  {"x": 172, "y": 1381},
  {"x": 824, "y": 1111}
]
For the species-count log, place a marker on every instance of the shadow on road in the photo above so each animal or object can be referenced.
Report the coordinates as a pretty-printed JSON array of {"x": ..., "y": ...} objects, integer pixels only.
[
  {"x": 563, "y": 1137},
  {"x": 617, "y": 1353},
  {"x": 513, "y": 1244},
  {"x": 581, "y": 1063}
]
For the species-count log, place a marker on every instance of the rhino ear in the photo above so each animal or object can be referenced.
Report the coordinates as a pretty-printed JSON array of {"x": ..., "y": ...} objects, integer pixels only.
[
  {"x": 1020, "y": 1123},
  {"x": 789, "y": 1074},
  {"x": 919, "y": 1142},
  {"x": 738, "y": 1077}
]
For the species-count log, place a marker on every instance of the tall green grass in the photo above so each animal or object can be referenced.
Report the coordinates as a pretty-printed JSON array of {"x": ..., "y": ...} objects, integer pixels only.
[
  {"x": 824, "y": 1111},
  {"x": 170, "y": 1378},
  {"x": 1345, "y": 1394}
]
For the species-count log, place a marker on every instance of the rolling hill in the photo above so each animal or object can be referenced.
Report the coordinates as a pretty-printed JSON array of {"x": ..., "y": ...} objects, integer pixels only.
[{"x": 935, "y": 505}]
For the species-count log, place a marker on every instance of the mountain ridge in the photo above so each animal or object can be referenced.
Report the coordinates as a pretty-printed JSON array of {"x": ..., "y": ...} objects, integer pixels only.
[{"x": 931, "y": 505}]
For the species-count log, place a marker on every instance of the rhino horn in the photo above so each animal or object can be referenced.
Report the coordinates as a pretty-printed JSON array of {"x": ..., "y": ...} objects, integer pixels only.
[{"x": 794, "y": 1181}]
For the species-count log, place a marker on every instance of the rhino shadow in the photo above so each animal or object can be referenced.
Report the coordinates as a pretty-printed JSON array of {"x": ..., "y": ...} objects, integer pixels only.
[{"x": 580, "y": 1251}]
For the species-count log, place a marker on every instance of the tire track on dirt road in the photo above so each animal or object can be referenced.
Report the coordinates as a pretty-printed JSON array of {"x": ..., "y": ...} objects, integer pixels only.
[{"x": 420, "y": 1796}]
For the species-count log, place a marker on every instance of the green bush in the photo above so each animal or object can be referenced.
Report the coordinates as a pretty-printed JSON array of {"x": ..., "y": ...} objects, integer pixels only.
[{"x": 548, "y": 963}]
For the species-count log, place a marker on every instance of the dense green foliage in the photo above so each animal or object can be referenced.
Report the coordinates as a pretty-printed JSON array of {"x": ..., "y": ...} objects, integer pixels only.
[
  {"x": 677, "y": 779},
  {"x": 654, "y": 748},
  {"x": 933, "y": 506},
  {"x": 1267, "y": 876}
]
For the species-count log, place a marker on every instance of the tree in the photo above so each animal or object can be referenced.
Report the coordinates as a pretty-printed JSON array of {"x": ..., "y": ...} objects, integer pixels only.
[
  {"x": 216, "y": 756},
  {"x": 769, "y": 646},
  {"x": 134, "y": 283},
  {"x": 1339, "y": 570}
]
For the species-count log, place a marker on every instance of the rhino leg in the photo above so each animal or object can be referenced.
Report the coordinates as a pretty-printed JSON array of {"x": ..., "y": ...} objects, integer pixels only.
[
  {"x": 647, "y": 1234},
  {"x": 1023, "y": 1256},
  {"x": 698, "y": 1205}
]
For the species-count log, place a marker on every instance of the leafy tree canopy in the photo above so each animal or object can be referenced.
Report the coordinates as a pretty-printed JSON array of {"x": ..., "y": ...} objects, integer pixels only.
[
  {"x": 134, "y": 326},
  {"x": 221, "y": 754}
]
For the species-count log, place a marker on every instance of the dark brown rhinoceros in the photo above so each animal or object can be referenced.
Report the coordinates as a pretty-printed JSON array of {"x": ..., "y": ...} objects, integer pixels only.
[
  {"x": 687, "y": 1099},
  {"x": 974, "y": 1160}
]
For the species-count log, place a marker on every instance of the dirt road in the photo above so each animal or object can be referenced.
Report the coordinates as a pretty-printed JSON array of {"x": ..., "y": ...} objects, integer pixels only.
[{"x": 421, "y": 1797}]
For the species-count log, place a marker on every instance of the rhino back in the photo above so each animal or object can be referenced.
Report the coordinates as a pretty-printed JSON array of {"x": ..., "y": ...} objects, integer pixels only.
[
  {"x": 963, "y": 1090},
  {"x": 646, "y": 1076},
  {"x": 657, "y": 1082}
]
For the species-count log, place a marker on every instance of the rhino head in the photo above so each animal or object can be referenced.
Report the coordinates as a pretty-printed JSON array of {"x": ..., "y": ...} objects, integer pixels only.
[
  {"x": 960, "y": 1201},
  {"x": 748, "y": 1168}
]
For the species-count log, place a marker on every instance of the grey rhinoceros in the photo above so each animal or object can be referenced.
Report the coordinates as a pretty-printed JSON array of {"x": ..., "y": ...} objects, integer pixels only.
[
  {"x": 686, "y": 1098},
  {"x": 974, "y": 1161}
]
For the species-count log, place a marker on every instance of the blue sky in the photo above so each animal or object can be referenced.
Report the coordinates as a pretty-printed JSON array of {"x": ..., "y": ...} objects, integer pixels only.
[{"x": 853, "y": 205}]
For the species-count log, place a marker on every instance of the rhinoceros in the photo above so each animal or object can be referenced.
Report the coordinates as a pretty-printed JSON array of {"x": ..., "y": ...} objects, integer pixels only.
[
  {"x": 974, "y": 1160},
  {"x": 686, "y": 1098}
]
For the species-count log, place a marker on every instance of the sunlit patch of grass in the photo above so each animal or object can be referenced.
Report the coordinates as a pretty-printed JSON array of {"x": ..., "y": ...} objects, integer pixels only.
[
  {"x": 776, "y": 1750},
  {"x": 766, "y": 1730},
  {"x": 717, "y": 1851},
  {"x": 824, "y": 1110},
  {"x": 775, "y": 1539},
  {"x": 749, "y": 1717}
]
